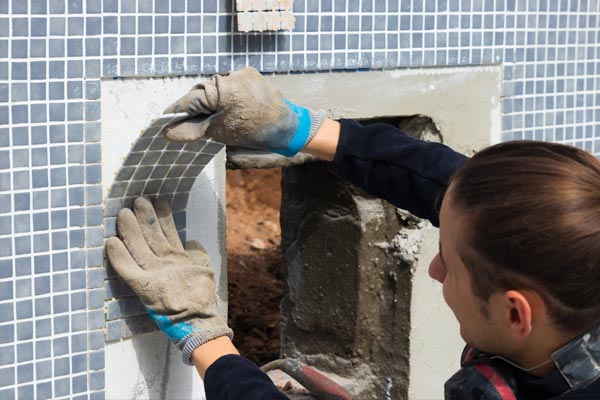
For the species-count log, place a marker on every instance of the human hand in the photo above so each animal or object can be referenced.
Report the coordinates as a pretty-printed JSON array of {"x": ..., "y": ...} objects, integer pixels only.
[
  {"x": 243, "y": 109},
  {"x": 175, "y": 284}
]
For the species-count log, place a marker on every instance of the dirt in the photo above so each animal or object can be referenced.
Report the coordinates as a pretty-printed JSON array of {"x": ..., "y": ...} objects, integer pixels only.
[{"x": 254, "y": 262}]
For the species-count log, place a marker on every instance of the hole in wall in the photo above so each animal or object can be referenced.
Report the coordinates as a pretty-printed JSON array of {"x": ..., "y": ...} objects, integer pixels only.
[{"x": 254, "y": 261}]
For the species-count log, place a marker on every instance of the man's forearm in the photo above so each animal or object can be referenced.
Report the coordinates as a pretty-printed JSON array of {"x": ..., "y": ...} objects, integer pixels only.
[
  {"x": 205, "y": 355},
  {"x": 229, "y": 376},
  {"x": 325, "y": 142}
]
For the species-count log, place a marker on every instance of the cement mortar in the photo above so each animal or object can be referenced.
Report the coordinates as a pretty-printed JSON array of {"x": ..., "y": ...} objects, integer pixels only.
[{"x": 241, "y": 158}]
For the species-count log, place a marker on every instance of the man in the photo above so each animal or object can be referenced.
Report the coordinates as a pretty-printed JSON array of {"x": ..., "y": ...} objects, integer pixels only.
[{"x": 519, "y": 255}]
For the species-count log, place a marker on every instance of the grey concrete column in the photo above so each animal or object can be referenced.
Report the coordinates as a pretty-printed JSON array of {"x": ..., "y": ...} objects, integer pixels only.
[{"x": 346, "y": 309}]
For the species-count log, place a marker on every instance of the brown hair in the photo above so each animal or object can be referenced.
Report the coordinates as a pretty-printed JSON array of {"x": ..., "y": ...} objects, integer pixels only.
[{"x": 533, "y": 210}]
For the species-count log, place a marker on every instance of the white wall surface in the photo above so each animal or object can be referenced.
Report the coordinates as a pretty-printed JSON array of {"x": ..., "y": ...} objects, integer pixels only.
[{"x": 148, "y": 366}]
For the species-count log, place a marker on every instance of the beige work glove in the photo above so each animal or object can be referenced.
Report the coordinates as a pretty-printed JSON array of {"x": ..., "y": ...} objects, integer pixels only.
[
  {"x": 243, "y": 109},
  {"x": 177, "y": 286}
]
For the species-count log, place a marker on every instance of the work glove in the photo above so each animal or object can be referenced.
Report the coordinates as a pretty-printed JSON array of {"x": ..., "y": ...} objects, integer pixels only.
[
  {"x": 243, "y": 109},
  {"x": 175, "y": 284}
]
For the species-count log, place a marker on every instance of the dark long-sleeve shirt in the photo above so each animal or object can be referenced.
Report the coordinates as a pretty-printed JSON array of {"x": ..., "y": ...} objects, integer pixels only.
[{"x": 409, "y": 173}]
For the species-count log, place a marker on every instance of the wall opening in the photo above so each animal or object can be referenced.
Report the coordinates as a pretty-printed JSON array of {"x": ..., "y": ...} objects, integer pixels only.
[
  {"x": 311, "y": 197},
  {"x": 255, "y": 268},
  {"x": 355, "y": 341}
]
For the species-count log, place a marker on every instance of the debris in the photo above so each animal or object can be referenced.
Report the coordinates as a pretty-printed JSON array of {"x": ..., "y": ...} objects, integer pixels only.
[{"x": 258, "y": 244}]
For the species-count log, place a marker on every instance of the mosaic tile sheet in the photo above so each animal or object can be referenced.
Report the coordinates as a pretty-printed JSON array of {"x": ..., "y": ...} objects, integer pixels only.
[{"x": 155, "y": 168}]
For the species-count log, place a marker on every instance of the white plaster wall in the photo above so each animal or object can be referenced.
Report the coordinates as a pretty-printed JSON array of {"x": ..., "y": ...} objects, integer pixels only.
[
  {"x": 206, "y": 223},
  {"x": 148, "y": 366},
  {"x": 464, "y": 103}
]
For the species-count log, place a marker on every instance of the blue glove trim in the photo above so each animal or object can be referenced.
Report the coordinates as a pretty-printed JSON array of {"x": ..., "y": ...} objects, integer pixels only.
[
  {"x": 302, "y": 133},
  {"x": 175, "y": 332}
]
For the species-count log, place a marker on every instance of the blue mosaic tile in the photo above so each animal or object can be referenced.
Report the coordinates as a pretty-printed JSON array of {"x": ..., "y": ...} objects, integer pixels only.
[
  {"x": 60, "y": 346},
  {"x": 74, "y": 69},
  {"x": 6, "y": 290},
  {"x": 76, "y": 216},
  {"x": 6, "y": 269},
  {"x": 78, "y": 363},
  {"x": 95, "y": 340},
  {"x": 97, "y": 380},
  {"x": 25, "y": 392},
  {"x": 23, "y": 288},
  {"x": 6, "y": 314},
  {"x": 42, "y": 327},
  {"x": 61, "y": 366},
  {"x": 8, "y": 393},
  {"x": 113, "y": 330},
  {"x": 96, "y": 360},
  {"x": 95, "y": 298},
  {"x": 60, "y": 282},
  {"x": 44, "y": 390},
  {"x": 79, "y": 384},
  {"x": 94, "y": 258},
  {"x": 62, "y": 387},
  {"x": 5, "y": 135},
  {"x": 79, "y": 342},
  {"x": 56, "y": 50},
  {"x": 4, "y": 159},
  {"x": 24, "y": 309},
  {"x": 7, "y": 355},
  {"x": 61, "y": 324},
  {"x": 43, "y": 349},
  {"x": 6, "y": 247},
  {"x": 42, "y": 307},
  {"x": 7, "y": 376},
  {"x": 78, "y": 322}
]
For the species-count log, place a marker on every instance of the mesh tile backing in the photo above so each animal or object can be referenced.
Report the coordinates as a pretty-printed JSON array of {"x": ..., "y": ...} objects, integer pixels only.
[{"x": 155, "y": 168}]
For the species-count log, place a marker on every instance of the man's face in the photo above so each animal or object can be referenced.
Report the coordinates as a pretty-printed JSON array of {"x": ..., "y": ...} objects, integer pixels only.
[{"x": 476, "y": 329}]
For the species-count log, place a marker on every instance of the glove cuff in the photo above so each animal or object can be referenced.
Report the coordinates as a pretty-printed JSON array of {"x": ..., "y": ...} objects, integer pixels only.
[
  {"x": 316, "y": 120},
  {"x": 197, "y": 338},
  {"x": 309, "y": 122}
]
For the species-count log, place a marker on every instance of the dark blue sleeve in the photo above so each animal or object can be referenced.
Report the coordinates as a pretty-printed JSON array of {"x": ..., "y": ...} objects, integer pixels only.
[
  {"x": 409, "y": 173},
  {"x": 234, "y": 377}
]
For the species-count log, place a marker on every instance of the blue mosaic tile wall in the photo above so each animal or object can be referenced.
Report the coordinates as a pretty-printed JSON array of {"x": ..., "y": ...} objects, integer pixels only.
[{"x": 53, "y": 54}]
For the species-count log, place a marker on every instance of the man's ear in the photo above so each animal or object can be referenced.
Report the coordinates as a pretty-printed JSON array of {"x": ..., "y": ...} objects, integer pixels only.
[{"x": 519, "y": 312}]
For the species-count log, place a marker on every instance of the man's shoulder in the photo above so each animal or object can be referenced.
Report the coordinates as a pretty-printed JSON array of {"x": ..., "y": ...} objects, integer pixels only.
[
  {"x": 486, "y": 378},
  {"x": 481, "y": 378},
  {"x": 589, "y": 392}
]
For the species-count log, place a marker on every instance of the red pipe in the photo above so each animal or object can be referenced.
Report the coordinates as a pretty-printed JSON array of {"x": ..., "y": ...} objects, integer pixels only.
[{"x": 320, "y": 386}]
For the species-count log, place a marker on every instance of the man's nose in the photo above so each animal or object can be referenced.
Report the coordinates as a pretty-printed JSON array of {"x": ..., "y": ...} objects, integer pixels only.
[{"x": 437, "y": 270}]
